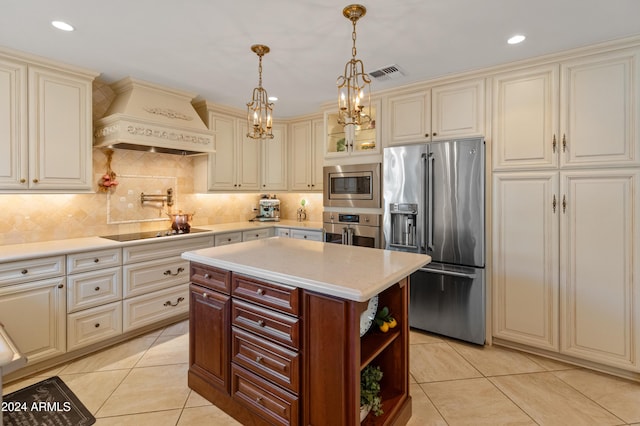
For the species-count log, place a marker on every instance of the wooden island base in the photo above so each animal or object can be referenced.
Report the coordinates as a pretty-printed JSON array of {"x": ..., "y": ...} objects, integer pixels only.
[{"x": 268, "y": 353}]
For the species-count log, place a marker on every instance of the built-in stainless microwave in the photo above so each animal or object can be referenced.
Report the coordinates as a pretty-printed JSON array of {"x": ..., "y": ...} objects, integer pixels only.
[{"x": 352, "y": 185}]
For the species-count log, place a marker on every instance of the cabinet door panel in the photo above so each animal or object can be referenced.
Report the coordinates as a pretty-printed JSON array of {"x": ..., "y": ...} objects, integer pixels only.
[
  {"x": 249, "y": 168},
  {"x": 599, "y": 240},
  {"x": 410, "y": 118},
  {"x": 458, "y": 110},
  {"x": 223, "y": 167},
  {"x": 13, "y": 125},
  {"x": 525, "y": 110},
  {"x": 209, "y": 334},
  {"x": 525, "y": 261},
  {"x": 317, "y": 157},
  {"x": 34, "y": 315},
  {"x": 301, "y": 153},
  {"x": 274, "y": 160},
  {"x": 59, "y": 131},
  {"x": 599, "y": 111}
]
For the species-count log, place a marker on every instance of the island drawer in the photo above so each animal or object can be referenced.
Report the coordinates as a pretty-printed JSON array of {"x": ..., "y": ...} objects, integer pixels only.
[
  {"x": 211, "y": 278},
  {"x": 266, "y": 359},
  {"x": 271, "y": 325},
  {"x": 278, "y": 406},
  {"x": 276, "y": 296}
]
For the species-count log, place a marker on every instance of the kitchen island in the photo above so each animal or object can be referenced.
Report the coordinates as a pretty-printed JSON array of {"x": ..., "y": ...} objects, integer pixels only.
[{"x": 275, "y": 330}]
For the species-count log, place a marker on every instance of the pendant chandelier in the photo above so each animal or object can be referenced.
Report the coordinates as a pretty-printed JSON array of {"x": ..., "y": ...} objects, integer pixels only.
[
  {"x": 259, "y": 109},
  {"x": 354, "y": 98}
]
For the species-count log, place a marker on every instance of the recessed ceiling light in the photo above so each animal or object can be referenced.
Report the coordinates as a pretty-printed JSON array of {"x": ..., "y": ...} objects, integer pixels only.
[
  {"x": 516, "y": 39},
  {"x": 61, "y": 25},
  {"x": 273, "y": 98}
]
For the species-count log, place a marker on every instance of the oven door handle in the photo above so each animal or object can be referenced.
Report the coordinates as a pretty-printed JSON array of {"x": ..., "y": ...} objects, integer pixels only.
[
  {"x": 451, "y": 273},
  {"x": 350, "y": 236}
]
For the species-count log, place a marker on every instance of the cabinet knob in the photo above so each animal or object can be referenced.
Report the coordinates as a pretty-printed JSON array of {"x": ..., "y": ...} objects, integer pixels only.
[
  {"x": 60, "y": 285},
  {"x": 261, "y": 323},
  {"x": 205, "y": 295},
  {"x": 305, "y": 237},
  {"x": 434, "y": 134},
  {"x": 23, "y": 180},
  {"x": 24, "y": 271},
  {"x": 207, "y": 276},
  {"x": 260, "y": 291},
  {"x": 97, "y": 325},
  {"x": 96, "y": 260},
  {"x": 426, "y": 135},
  {"x": 35, "y": 181},
  {"x": 97, "y": 288},
  {"x": 259, "y": 400},
  {"x": 259, "y": 359}
]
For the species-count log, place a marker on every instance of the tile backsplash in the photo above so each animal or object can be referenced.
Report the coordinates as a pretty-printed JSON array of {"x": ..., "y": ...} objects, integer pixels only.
[{"x": 41, "y": 217}]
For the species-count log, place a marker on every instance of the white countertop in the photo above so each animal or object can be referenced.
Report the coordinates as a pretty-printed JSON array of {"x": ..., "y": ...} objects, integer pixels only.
[
  {"x": 15, "y": 252},
  {"x": 349, "y": 272}
]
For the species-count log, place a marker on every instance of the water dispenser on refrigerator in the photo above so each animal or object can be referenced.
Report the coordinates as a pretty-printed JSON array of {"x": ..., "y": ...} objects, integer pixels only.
[{"x": 403, "y": 225}]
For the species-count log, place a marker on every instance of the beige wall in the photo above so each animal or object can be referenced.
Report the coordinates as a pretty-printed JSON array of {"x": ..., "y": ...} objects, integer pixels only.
[{"x": 41, "y": 217}]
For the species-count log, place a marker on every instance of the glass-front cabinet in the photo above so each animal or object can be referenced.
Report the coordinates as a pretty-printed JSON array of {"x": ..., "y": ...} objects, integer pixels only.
[{"x": 352, "y": 140}]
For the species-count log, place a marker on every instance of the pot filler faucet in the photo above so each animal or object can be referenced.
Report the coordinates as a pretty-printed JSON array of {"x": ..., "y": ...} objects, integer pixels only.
[{"x": 158, "y": 198}]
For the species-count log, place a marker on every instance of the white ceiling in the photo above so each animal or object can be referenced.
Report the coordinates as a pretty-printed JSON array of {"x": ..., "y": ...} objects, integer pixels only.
[{"x": 203, "y": 46}]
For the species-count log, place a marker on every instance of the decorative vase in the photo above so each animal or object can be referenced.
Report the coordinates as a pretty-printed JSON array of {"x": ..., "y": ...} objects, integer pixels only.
[{"x": 364, "y": 410}]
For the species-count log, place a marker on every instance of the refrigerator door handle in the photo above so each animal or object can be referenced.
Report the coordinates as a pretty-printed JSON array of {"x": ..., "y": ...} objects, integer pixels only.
[
  {"x": 451, "y": 273},
  {"x": 430, "y": 170},
  {"x": 423, "y": 196}
]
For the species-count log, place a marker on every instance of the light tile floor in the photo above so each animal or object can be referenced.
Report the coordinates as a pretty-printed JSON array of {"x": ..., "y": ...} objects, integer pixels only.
[{"x": 143, "y": 382}]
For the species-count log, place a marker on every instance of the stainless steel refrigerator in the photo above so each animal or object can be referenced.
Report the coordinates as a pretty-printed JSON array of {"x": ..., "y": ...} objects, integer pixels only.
[{"x": 434, "y": 203}]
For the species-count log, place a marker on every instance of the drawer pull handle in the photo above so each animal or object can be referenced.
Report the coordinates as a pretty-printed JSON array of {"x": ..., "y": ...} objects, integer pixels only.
[
  {"x": 96, "y": 260},
  {"x": 261, "y": 323},
  {"x": 260, "y": 291},
  {"x": 24, "y": 271},
  {"x": 168, "y": 272},
  {"x": 168, "y": 302},
  {"x": 258, "y": 359},
  {"x": 97, "y": 325},
  {"x": 207, "y": 276},
  {"x": 97, "y": 289}
]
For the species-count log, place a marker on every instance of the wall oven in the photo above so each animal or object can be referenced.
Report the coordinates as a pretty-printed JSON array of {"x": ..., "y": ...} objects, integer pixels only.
[
  {"x": 352, "y": 185},
  {"x": 352, "y": 229}
]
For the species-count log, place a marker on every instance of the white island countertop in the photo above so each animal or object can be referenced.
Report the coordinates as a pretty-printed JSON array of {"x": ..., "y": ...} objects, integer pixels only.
[{"x": 349, "y": 272}]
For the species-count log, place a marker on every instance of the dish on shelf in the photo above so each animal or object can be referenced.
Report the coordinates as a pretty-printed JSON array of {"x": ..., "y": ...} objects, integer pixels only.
[{"x": 367, "y": 317}]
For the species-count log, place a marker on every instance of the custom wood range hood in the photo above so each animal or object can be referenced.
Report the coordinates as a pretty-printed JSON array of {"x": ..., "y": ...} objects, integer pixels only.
[{"x": 147, "y": 117}]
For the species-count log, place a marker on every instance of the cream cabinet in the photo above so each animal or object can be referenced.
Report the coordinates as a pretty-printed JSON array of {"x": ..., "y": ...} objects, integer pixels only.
[
  {"x": 306, "y": 148},
  {"x": 565, "y": 267},
  {"x": 235, "y": 166},
  {"x": 156, "y": 280},
  {"x": 274, "y": 160},
  {"x": 579, "y": 113},
  {"x": 46, "y": 114},
  {"x": 302, "y": 234},
  {"x": 34, "y": 314},
  {"x": 341, "y": 141},
  {"x": 525, "y": 118},
  {"x": 94, "y": 297},
  {"x": 440, "y": 112},
  {"x": 240, "y": 163}
]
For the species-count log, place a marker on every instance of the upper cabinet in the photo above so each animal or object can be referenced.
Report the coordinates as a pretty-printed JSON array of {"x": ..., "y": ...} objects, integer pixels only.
[
  {"x": 440, "y": 112},
  {"x": 578, "y": 113},
  {"x": 525, "y": 118},
  {"x": 46, "y": 127},
  {"x": 343, "y": 141},
  {"x": 306, "y": 149},
  {"x": 240, "y": 163}
]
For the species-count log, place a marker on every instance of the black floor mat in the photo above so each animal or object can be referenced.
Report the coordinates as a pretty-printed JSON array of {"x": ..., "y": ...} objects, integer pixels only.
[{"x": 46, "y": 403}]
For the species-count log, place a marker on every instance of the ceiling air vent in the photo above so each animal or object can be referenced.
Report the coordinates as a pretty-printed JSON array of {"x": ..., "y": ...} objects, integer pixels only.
[{"x": 390, "y": 72}]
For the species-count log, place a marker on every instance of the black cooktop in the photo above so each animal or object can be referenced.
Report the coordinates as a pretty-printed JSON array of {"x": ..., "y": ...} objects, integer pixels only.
[{"x": 150, "y": 234}]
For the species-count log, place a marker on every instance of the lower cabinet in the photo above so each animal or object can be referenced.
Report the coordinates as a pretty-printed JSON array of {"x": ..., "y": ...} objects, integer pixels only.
[
  {"x": 272, "y": 354},
  {"x": 303, "y": 234},
  {"x": 566, "y": 269},
  {"x": 34, "y": 314}
]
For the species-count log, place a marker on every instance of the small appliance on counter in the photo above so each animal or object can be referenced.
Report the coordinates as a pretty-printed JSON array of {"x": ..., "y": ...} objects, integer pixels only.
[{"x": 269, "y": 209}]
